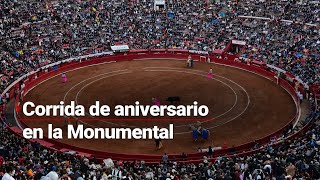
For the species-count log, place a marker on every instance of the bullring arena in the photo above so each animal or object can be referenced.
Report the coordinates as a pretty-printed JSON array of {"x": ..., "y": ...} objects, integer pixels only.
[
  {"x": 249, "y": 69},
  {"x": 246, "y": 105}
]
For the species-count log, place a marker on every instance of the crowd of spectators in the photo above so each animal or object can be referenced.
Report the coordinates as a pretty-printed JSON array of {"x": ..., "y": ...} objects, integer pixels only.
[
  {"x": 34, "y": 33},
  {"x": 296, "y": 158}
]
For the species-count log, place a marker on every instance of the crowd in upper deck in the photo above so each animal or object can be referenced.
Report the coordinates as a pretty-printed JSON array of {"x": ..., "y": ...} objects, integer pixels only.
[{"x": 35, "y": 33}]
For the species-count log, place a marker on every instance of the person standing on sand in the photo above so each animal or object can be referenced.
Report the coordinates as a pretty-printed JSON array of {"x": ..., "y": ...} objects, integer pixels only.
[
  {"x": 210, "y": 73},
  {"x": 64, "y": 78},
  {"x": 158, "y": 144}
]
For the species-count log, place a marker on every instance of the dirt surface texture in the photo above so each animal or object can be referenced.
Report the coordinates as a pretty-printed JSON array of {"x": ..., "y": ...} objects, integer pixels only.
[{"x": 243, "y": 106}]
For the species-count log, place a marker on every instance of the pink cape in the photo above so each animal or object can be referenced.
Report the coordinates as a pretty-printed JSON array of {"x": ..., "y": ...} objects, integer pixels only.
[
  {"x": 64, "y": 79},
  {"x": 157, "y": 103}
]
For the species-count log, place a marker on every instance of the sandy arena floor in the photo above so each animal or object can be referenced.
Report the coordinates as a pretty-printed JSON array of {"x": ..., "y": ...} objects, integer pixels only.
[{"x": 243, "y": 106}]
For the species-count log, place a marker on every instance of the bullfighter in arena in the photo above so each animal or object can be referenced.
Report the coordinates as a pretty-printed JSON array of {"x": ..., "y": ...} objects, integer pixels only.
[
  {"x": 210, "y": 74},
  {"x": 199, "y": 131},
  {"x": 196, "y": 130},
  {"x": 156, "y": 102},
  {"x": 190, "y": 62},
  {"x": 158, "y": 144},
  {"x": 64, "y": 78}
]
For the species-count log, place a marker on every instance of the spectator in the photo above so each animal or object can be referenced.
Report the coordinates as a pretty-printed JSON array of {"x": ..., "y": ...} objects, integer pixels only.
[
  {"x": 9, "y": 173},
  {"x": 165, "y": 158},
  {"x": 53, "y": 175}
]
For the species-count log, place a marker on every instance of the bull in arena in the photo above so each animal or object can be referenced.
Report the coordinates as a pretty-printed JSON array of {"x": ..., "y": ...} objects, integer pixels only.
[{"x": 174, "y": 99}]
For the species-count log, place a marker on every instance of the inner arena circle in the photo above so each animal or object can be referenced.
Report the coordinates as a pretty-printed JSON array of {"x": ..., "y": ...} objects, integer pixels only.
[{"x": 90, "y": 85}]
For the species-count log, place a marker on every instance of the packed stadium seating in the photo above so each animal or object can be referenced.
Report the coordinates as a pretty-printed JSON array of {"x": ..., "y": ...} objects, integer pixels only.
[{"x": 281, "y": 33}]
